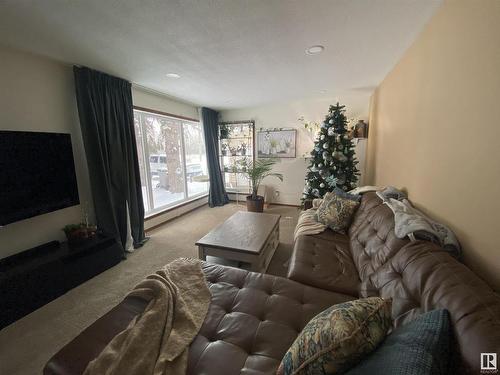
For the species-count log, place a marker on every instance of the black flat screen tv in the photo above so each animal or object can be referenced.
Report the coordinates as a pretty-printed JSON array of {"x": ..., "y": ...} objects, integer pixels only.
[{"x": 37, "y": 174}]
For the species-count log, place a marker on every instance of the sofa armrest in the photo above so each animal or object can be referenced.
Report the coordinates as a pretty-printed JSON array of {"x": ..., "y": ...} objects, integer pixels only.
[{"x": 73, "y": 358}]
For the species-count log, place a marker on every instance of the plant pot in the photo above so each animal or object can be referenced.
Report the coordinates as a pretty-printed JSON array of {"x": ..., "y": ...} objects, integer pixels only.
[
  {"x": 243, "y": 152},
  {"x": 255, "y": 205},
  {"x": 81, "y": 234},
  {"x": 77, "y": 235}
]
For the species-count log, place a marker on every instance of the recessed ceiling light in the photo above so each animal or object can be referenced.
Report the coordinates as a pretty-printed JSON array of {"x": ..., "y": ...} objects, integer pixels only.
[
  {"x": 314, "y": 50},
  {"x": 173, "y": 75}
]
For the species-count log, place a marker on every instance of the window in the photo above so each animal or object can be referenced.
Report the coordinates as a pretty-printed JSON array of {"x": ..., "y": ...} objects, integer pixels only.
[{"x": 177, "y": 166}]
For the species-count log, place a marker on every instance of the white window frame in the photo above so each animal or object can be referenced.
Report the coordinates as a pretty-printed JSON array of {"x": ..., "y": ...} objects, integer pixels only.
[{"x": 146, "y": 155}]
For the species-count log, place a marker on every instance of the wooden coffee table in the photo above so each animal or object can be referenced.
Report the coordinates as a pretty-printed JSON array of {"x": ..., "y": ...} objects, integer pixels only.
[{"x": 245, "y": 237}]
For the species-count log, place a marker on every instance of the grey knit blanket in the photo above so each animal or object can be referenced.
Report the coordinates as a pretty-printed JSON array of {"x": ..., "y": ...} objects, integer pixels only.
[{"x": 416, "y": 225}]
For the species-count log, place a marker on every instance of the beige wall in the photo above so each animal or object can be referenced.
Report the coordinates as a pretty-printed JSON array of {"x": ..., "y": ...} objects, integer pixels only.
[
  {"x": 285, "y": 115},
  {"x": 152, "y": 100},
  {"x": 37, "y": 94},
  {"x": 435, "y": 127}
]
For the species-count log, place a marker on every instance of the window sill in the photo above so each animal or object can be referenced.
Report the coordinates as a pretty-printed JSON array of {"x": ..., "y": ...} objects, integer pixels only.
[{"x": 170, "y": 208}]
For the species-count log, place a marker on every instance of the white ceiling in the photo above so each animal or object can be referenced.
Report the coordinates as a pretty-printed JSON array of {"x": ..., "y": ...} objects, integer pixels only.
[{"x": 229, "y": 53}]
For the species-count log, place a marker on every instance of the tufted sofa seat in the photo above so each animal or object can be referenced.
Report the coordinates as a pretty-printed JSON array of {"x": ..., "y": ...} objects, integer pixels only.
[
  {"x": 418, "y": 277},
  {"x": 252, "y": 320}
]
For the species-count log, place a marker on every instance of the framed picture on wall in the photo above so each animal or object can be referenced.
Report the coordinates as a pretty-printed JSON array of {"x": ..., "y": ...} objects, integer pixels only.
[{"x": 276, "y": 143}]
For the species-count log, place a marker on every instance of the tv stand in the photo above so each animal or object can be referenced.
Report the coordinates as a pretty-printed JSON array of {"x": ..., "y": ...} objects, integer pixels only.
[{"x": 31, "y": 279}]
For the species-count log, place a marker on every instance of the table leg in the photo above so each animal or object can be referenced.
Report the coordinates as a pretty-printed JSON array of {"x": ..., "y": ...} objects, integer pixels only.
[
  {"x": 201, "y": 253},
  {"x": 254, "y": 266}
]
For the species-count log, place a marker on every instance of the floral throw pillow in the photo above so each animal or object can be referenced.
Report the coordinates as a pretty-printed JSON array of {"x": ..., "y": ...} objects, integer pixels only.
[
  {"x": 336, "y": 212},
  {"x": 337, "y": 338}
]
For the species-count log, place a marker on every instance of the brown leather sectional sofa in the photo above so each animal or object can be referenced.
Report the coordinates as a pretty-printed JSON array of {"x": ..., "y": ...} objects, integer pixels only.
[{"x": 254, "y": 318}]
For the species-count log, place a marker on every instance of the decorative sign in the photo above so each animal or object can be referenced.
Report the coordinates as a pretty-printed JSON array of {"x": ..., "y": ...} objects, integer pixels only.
[{"x": 276, "y": 143}]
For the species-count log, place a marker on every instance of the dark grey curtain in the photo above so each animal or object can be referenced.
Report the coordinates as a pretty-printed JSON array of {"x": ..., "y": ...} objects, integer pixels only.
[
  {"x": 217, "y": 195},
  {"x": 107, "y": 122}
]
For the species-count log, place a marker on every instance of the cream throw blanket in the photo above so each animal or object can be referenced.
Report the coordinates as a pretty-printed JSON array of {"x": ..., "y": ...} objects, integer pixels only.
[
  {"x": 307, "y": 223},
  {"x": 157, "y": 341}
]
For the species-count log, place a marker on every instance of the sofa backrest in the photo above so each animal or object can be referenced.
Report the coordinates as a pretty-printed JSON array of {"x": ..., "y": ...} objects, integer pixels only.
[
  {"x": 419, "y": 277},
  {"x": 372, "y": 237},
  {"x": 423, "y": 277}
]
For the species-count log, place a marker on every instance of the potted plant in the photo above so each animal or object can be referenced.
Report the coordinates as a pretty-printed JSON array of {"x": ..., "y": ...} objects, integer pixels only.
[
  {"x": 258, "y": 170},
  {"x": 274, "y": 145},
  {"x": 224, "y": 148},
  {"x": 78, "y": 232},
  {"x": 224, "y": 131},
  {"x": 233, "y": 151},
  {"x": 243, "y": 149}
]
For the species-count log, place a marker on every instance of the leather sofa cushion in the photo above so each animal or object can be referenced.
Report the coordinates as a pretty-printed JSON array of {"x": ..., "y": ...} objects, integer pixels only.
[
  {"x": 324, "y": 261},
  {"x": 423, "y": 277},
  {"x": 252, "y": 321},
  {"x": 372, "y": 237}
]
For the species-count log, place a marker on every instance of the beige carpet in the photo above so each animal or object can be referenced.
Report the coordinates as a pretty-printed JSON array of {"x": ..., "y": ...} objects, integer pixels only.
[{"x": 26, "y": 345}]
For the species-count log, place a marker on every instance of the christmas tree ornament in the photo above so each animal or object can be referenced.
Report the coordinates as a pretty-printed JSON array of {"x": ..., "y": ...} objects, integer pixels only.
[
  {"x": 320, "y": 165},
  {"x": 322, "y": 185},
  {"x": 322, "y": 137},
  {"x": 325, "y": 145},
  {"x": 330, "y": 122},
  {"x": 331, "y": 132}
]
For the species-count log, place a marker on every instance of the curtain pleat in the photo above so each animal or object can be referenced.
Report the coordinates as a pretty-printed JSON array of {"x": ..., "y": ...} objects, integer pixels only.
[
  {"x": 217, "y": 195},
  {"x": 107, "y": 121}
]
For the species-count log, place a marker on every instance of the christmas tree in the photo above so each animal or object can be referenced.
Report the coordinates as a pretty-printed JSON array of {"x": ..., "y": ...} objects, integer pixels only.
[{"x": 333, "y": 163}]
